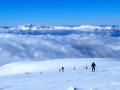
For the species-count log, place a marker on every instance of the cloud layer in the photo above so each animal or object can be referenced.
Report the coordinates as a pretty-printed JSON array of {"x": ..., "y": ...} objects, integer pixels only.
[{"x": 58, "y": 44}]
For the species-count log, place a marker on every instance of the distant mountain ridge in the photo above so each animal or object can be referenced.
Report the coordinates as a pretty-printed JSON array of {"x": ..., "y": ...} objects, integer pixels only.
[
  {"x": 30, "y": 29},
  {"x": 46, "y": 27}
]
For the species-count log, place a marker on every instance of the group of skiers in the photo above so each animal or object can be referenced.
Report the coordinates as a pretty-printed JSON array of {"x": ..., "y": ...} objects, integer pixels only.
[
  {"x": 61, "y": 69},
  {"x": 93, "y": 65}
]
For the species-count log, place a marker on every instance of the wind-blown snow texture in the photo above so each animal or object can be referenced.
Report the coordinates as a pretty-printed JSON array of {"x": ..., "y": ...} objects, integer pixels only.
[{"x": 80, "y": 42}]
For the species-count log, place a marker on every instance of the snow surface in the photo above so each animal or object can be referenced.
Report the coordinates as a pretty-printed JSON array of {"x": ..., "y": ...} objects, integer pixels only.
[{"x": 44, "y": 75}]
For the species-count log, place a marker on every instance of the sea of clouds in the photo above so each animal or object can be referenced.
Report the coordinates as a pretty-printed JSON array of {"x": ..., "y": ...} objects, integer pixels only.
[{"x": 55, "y": 44}]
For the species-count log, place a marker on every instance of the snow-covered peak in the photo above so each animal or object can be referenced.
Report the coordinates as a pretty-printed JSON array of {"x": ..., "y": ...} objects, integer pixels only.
[
  {"x": 86, "y": 27},
  {"x": 62, "y": 28},
  {"x": 23, "y": 27},
  {"x": 46, "y": 27},
  {"x": 90, "y": 27},
  {"x": 81, "y": 27}
]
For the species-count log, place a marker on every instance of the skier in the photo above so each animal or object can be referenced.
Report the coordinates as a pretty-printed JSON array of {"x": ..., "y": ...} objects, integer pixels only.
[
  {"x": 62, "y": 69},
  {"x": 59, "y": 70},
  {"x": 93, "y": 67},
  {"x": 86, "y": 67},
  {"x": 74, "y": 68}
]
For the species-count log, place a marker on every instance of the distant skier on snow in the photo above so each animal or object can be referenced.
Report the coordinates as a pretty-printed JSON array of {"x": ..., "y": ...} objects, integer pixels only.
[
  {"x": 93, "y": 67},
  {"x": 74, "y": 68},
  {"x": 86, "y": 67},
  {"x": 62, "y": 69}
]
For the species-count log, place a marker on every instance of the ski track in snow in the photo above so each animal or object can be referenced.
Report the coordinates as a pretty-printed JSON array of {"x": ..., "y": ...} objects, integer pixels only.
[{"x": 47, "y": 76}]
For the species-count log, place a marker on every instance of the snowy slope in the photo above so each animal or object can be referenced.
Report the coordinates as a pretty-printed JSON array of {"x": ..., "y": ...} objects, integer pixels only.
[{"x": 47, "y": 77}]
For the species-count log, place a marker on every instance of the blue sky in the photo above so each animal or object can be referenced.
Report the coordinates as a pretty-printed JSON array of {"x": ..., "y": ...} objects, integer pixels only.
[{"x": 59, "y": 12}]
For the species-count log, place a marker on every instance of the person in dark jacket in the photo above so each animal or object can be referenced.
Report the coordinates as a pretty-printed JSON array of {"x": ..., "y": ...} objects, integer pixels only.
[
  {"x": 86, "y": 67},
  {"x": 62, "y": 69},
  {"x": 93, "y": 67}
]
